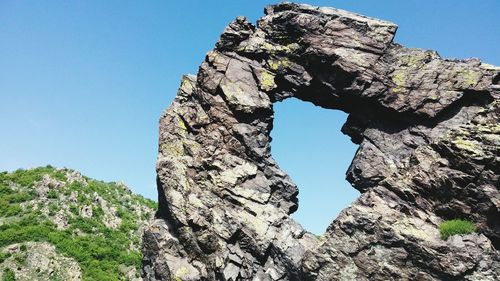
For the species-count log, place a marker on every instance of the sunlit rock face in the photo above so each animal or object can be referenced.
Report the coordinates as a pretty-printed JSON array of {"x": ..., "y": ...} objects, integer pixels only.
[{"x": 428, "y": 137}]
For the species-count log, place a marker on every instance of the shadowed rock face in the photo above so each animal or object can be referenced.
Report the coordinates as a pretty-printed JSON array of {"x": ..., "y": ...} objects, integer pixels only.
[{"x": 428, "y": 137}]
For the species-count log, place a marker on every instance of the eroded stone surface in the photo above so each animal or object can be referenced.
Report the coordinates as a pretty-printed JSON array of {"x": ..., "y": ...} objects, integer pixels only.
[
  {"x": 428, "y": 137},
  {"x": 40, "y": 261}
]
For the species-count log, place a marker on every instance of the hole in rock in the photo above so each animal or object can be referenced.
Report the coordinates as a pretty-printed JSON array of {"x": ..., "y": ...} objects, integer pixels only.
[{"x": 308, "y": 145}]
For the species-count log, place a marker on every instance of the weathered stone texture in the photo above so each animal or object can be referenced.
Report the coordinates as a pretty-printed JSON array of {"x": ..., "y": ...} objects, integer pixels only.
[{"x": 428, "y": 137}]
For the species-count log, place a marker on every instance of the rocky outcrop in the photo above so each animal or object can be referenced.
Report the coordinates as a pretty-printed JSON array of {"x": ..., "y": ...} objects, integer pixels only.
[
  {"x": 39, "y": 261},
  {"x": 428, "y": 137}
]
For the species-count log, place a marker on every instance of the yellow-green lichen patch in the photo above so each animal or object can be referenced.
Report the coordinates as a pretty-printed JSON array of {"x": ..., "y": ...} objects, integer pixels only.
[
  {"x": 243, "y": 96},
  {"x": 416, "y": 59},
  {"x": 470, "y": 78},
  {"x": 489, "y": 133},
  {"x": 356, "y": 43},
  {"x": 451, "y": 93},
  {"x": 280, "y": 49},
  {"x": 191, "y": 146},
  {"x": 218, "y": 61},
  {"x": 492, "y": 138},
  {"x": 187, "y": 85},
  {"x": 278, "y": 64},
  {"x": 181, "y": 124},
  {"x": 173, "y": 149},
  {"x": 180, "y": 273},
  {"x": 359, "y": 58},
  {"x": 433, "y": 96},
  {"x": 267, "y": 80},
  {"x": 467, "y": 145},
  {"x": 399, "y": 79},
  {"x": 179, "y": 148},
  {"x": 491, "y": 128}
]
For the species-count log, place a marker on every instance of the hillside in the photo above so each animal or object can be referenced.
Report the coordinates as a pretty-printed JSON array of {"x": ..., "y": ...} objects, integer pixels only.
[{"x": 56, "y": 224}]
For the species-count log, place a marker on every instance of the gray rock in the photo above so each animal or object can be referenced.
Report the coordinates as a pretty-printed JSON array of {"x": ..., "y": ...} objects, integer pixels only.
[
  {"x": 428, "y": 137},
  {"x": 41, "y": 261}
]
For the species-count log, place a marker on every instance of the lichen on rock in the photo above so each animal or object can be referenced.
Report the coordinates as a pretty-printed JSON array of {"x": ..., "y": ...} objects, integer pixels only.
[{"x": 428, "y": 152}]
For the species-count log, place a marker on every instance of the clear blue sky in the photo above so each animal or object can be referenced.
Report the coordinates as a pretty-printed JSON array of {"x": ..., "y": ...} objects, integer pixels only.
[{"x": 82, "y": 84}]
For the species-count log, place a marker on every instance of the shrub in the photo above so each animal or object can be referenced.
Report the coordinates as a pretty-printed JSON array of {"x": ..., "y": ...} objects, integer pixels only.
[
  {"x": 8, "y": 275},
  {"x": 53, "y": 208},
  {"x": 457, "y": 226},
  {"x": 73, "y": 209},
  {"x": 4, "y": 256},
  {"x": 28, "y": 178},
  {"x": 5, "y": 190},
  {"x": 20, "y": 259},
  {"x": 52, "y": 194},
  {"x": 59, "y": 175},
  {"x": 8, "y": 210}
]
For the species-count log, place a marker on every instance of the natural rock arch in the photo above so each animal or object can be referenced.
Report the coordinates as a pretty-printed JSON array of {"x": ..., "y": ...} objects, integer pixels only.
[{"x": 428, "y": 135}]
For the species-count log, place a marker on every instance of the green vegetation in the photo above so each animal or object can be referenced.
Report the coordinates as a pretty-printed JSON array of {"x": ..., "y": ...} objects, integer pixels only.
[
  {"x": 99, "y": 249},
  {"x": 4, "y": 256},
  {"x": 10, "y": 199},
  {"x": 98, "y": 256},
  {"x": 28, "y": 178},
  {"x": 457, "y": 226},
  {"x": 8, "y": 275},
  {"x": 52, "y": 194}
]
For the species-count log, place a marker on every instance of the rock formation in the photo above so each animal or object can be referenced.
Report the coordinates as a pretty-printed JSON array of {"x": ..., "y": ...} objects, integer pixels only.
[{"x": 428, "y": 137}]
